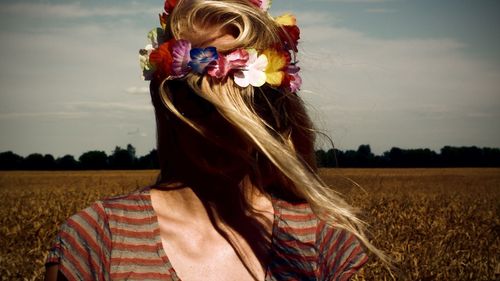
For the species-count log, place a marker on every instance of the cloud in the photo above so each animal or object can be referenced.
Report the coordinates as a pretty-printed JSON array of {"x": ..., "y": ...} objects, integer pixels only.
[
  {"x": 380, "y": 11},
  {"x": 137, "y": 132},
  {"x": 137, "y": 90},
  {"x": 354, "y": 1},
  {"x": 82, "y": 110},
  {"x": 109, "y": 107},
  {"x": 74, "y": 10},
  {"x": 413, "y": 92},
  {"x": 46, "y": 115}
]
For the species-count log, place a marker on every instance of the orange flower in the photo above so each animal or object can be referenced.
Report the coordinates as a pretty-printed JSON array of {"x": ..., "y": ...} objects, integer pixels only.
[{"x": 161, "y": 59}]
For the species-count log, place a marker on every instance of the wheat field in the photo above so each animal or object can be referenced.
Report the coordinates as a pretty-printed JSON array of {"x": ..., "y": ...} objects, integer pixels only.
[{"x": 437, "y": 224}]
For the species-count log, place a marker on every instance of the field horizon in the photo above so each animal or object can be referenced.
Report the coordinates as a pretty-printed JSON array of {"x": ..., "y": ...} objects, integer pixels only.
[{"x": 436, "y": 223}]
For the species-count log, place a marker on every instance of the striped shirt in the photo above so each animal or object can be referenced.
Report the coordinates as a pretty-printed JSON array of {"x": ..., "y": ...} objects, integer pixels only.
[{"x": 119, "y": 239}]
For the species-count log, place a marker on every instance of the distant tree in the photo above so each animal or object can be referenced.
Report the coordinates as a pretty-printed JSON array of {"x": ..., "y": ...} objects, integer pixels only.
[
  {"x": 348, "y": 159},
  {"x": 49, "y": 163},
  {"x": 491, "y": 157},
  {"x": 395, "y": 156},
  {"x": 34, "y": 161},
  {"x": 94, "y": 160},
  {"x": 364, "y": 156},
  {"x": 148, "y": 161},
  {"x": 131, "y": 150},
  {"x": 457, "y": 156},
  {"x": 421, "y": 157},
  {"x": 321, "y": 158},
  {"x": 332, "y": 157},
  {"x": 123, "y": 158},
  {"x": 10, "y": 161},
  {"x": 67, "y": 162}
]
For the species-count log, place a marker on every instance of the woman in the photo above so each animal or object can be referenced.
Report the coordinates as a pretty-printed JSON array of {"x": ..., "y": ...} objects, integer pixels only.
[{"x": 237, "y": 197}]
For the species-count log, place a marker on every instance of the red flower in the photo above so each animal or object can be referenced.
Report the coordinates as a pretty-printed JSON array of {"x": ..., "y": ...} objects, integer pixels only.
[
  {"x": 290, "y": 35},
  {"x": 161, "y": 59},
  {"x": 169, "y": 5},
  {"x": 163, "y": 20}
]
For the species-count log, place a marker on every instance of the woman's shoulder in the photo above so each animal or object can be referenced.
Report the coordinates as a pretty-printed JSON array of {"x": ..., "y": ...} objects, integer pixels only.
[
  {"x": 134, "y": 202},
  {"x": 102, "y": 209}
]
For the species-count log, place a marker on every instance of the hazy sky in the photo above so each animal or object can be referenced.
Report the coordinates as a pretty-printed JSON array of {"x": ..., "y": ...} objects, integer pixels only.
[{"x": 406, "y": 73}]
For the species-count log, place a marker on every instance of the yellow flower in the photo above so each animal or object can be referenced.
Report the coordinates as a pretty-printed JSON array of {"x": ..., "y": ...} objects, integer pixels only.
[
  {"x": 286, "y": 19},
  {"x": 275, "y": 66}
]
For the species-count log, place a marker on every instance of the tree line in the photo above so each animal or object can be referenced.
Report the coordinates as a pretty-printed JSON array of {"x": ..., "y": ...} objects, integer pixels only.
[
  {"x": 125, "y": 159},
  {"x": 120, "y": 159},
  {"x": 448, "y": 156}
]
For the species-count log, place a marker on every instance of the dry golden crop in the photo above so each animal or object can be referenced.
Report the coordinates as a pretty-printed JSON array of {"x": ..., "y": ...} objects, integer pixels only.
[{"x": 437, "y": 224}]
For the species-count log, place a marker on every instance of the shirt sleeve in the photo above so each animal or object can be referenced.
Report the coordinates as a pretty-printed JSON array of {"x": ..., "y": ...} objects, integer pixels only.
[
  {"x": 340, "y": 254},
  {"x": 82, "y": 247}
]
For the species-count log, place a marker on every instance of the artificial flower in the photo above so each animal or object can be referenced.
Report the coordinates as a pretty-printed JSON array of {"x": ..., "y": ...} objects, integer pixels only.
[
  {"x": 234, "y": 60},
  {"x": 290, "y": 35},
  {"x": 292, "y": 80},
  {"x": 166, "y": 57},
  {"x": 275, "y": 70},
  {"x": 286, "y": 19},
  {"x": 169, "y": 6},
  {"x": 254, "y": 72},
  {"x": 264, "y": 5},
  {"x": 161, "y": 59},
  {"x": 155, "y": 37},
  {"x": 290, "y": 32},
  {"x": 238, "y": 58},
  {"x": 180, "y": 57},
  {"x": 147, "y": 68},
  {"x": 163, "y": 20},
  {"x": 200, "y": 58}
]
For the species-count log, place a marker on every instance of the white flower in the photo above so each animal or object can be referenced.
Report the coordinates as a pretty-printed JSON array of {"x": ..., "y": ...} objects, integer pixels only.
[
  {"x": 254, "y": 73},
  {"x": 147, "y": 68},
  {"x": 155, "y": 36}
]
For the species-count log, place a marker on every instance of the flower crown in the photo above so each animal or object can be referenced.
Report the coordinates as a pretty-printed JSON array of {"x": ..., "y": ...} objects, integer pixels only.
[{"x": 168, "y": 58}]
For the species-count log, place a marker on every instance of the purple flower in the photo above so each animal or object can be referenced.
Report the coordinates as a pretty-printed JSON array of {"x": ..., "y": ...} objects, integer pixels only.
[
  {"x": 293, "y": 78},
  {"x": 200, "y": 58},
  {"x": 180, "y": 58}
]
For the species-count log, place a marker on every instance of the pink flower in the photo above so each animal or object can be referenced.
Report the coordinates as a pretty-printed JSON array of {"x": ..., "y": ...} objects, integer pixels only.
[
  {"x": 292, "y": 79},
  {"x": 234, "y": 60},
  {"x": 264, "y": 5}
]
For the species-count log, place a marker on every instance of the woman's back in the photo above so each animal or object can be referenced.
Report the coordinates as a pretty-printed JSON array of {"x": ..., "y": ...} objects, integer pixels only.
[{"x": 120, "y": 238}]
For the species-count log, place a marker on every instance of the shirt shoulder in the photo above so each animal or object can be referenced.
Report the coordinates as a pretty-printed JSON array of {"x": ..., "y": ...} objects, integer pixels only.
[
  {"x": 82, "y": 247},
  {"x": 310, "y": 249},
  {"x": 294, "y": 233},
  {"x": 340, "y": 253}
]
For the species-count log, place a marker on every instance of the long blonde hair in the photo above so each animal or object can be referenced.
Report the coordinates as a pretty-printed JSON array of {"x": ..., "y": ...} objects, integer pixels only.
[{"x": 274, "y": 122}]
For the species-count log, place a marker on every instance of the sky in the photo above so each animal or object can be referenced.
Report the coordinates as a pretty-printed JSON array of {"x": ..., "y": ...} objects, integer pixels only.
[{"x": 389, "y": 73}]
